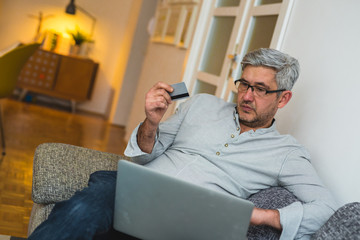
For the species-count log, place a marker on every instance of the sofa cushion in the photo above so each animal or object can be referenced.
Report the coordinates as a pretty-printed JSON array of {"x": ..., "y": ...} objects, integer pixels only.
[
  {"x": 271, "y": 198},
  {"x": 343, "y": 224}
]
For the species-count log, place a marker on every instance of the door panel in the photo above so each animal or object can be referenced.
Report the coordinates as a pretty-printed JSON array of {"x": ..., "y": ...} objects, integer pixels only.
[
  {"x": 229, "y": 29},
  {"x": 217, "y": 44}
]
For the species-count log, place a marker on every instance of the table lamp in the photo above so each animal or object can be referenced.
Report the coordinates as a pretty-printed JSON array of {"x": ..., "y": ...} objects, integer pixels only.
[{"x": 71, "y": 9}]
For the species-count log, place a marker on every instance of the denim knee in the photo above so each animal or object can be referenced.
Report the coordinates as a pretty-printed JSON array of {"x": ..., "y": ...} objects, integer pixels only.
[
  {"x": 88, "y": 212},
  {"x": 103, "y": 177}
]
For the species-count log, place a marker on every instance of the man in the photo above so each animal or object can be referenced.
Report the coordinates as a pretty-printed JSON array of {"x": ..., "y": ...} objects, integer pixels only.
[{"x": 232, "y": 148}]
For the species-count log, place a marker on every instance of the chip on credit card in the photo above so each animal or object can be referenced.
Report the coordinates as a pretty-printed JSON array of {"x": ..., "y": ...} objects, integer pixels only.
[{"x": 180, "y": 91}]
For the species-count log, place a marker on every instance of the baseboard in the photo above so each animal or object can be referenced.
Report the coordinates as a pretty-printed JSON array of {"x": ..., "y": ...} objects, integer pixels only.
[{"x": 5, "y": 237}]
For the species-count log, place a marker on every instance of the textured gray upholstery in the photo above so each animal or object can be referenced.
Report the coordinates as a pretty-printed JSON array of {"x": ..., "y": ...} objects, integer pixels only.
[
  {"x": 271, "y": 198},
  {"x": 39, "y": 213},
  {"x": 343, "y": 224},
  {"x": 61, "y": 169}
]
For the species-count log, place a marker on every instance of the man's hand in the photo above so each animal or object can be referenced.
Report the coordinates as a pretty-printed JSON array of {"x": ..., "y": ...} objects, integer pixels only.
[
  {"x": 157, "y": 101},
  {"x": 268, "y": 217}
]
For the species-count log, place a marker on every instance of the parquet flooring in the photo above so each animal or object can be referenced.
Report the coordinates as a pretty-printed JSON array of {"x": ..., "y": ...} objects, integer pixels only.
[{"x": 28, "y": 125}]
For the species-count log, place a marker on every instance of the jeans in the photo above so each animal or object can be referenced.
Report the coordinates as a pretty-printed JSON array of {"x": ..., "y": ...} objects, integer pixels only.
[{"x": 85, "y": 216}]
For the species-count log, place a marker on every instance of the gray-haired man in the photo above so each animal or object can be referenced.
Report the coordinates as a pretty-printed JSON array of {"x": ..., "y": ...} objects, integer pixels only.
[
  {"x": 232, "y": 148},
  {"x": 235, "y": 148}
]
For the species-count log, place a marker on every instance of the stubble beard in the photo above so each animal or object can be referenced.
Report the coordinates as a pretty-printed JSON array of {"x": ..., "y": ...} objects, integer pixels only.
[{"x": 257, "y": 121}]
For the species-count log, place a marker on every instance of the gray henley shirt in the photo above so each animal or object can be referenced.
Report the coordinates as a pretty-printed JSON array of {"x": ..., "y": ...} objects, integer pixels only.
[{"x": 201, "y": 143}]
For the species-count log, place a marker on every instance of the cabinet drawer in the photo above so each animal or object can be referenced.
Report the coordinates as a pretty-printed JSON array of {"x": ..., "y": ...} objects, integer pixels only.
[{"x": 75, "y": 77}]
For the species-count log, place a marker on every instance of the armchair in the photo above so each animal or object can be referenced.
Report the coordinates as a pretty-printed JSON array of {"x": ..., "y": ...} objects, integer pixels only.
[
  {"x": 60, "y": 170},
  {"x": 11, "y": 64}
]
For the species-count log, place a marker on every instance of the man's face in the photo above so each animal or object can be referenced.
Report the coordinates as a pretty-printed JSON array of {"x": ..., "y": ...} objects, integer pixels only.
[{"x": 258, "y": 112}]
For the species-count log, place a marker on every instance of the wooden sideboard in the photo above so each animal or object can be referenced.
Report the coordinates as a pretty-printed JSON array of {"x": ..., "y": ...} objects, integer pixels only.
[{"x": 66, "y": 77}]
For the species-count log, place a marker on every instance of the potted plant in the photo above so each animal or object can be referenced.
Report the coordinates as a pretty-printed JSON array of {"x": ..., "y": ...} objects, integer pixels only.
[{"x": 79, "y": 39}]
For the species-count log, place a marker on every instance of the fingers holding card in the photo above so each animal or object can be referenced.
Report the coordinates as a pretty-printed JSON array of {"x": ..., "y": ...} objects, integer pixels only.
[{"x": 180, "y": 91}]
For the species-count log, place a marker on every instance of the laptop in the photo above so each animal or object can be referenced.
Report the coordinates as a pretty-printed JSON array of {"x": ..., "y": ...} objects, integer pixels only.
[{"x": 151, "y": 205}]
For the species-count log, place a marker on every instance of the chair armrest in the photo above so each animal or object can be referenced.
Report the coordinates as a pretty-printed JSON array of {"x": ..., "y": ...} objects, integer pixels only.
[
  {"x": 61, "y": 169},
  {"x": 39, "y": 213},
  {"x": 343, "y": 224},
  {"x": 271, "y": 198}
]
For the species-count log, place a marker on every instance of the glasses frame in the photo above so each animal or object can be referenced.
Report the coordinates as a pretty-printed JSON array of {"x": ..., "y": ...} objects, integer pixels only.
[{"x": 241, "y": 80}]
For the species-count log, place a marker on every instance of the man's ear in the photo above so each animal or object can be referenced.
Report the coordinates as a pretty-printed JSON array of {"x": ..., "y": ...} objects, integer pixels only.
[{"x": 284, "y": 98}]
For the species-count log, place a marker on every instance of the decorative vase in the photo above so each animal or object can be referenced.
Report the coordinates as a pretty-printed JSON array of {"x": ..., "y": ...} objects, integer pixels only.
[{"x": 74, "y": 50}]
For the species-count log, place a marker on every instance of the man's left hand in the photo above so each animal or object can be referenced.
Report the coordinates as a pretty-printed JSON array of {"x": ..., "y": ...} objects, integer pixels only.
[{"x": 270, "y": 217}]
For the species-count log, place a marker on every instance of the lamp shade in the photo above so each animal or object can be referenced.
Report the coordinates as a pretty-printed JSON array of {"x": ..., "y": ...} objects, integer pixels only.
[{"x": 71, "y": 8}]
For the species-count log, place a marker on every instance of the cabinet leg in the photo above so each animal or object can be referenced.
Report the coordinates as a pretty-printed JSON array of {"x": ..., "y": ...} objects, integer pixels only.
[
  {"x": 73, "y": 106},
  {"x": 22, "y": 94}
]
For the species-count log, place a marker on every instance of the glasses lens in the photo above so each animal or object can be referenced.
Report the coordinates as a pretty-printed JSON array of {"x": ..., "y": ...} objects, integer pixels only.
[
  {"x": 260, "y": 92},
  {"x": 241, "y": 86}
]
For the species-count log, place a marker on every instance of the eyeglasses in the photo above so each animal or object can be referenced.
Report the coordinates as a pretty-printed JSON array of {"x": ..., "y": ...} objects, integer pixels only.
[{"x": 242, "y": 85}]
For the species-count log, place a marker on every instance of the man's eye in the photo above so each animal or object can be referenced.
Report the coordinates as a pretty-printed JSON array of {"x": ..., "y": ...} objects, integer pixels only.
[
  {"x": 242, "y": 84},
  {"x": 260, "y": 89}
]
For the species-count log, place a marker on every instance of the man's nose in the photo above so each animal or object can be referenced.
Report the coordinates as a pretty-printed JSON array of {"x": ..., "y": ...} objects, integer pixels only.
[{"x": 249, "y": 94}]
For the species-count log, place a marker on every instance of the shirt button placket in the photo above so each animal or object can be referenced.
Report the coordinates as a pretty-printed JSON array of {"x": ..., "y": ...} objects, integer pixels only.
[{"x": 227, "y": 144}]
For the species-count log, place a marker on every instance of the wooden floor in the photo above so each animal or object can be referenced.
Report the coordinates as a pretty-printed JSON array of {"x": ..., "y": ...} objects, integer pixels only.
[{"x": 28, "y": 125}]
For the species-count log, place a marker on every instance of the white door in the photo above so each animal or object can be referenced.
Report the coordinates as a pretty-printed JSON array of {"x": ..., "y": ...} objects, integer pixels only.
[{"x": 225, "y": 31}]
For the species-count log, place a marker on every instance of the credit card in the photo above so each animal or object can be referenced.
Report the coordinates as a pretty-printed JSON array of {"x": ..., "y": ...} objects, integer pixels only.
[{"x": 180, "y": 91}]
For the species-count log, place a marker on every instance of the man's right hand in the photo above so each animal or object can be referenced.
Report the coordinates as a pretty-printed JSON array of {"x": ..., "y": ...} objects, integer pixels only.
[{"x": 157, "y": 101}]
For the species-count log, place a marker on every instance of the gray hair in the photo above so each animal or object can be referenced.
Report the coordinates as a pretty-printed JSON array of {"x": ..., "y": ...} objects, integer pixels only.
[{"x": 287, "y": 68}]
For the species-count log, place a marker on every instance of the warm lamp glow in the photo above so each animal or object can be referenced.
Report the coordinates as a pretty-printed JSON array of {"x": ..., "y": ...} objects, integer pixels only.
[{"x": 71, "y": 9}]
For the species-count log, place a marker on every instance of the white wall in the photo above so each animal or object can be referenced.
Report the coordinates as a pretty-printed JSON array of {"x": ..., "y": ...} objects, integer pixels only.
[
  {"x": 324, "y": 112},
  {"x": 113, "y": 36},
  {"x": 164, "y": 63},
  {"x": 124, "y": 99}
]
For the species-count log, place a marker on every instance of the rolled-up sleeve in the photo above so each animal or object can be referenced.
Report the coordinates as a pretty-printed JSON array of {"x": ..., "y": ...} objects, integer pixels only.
[
  {"x": 166, "y": 134},
  {"x": 133, "y": 150},
  {"x": 301, "y": 220},
  {"x": 290, "y": 219}
]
